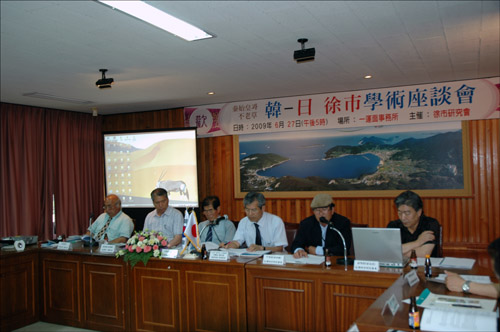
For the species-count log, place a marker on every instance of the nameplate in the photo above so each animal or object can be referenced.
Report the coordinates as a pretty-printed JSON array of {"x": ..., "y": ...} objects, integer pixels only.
[
  {"x": 392, "y": 304},
  {"x": 274, "y": 259},
  {"x": 221, "y": 256},
  {"x": 64, "y": 246},
  {"x": 412, "y": 278},
  {"x": 372, "y": 266},
  {"x": 353, "y": 328},
  {"x": 19, "y": 245},
  {"x": 169, "y": 253},
  {"x": 107, "y": 249}
]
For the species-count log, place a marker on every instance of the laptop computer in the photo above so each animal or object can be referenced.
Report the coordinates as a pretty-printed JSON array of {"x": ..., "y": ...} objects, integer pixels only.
[{"x": 379, "y": 244}]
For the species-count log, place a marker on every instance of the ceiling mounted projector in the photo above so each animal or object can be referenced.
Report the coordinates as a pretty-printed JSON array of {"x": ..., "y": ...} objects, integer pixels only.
[
  {"x": 104, "y": 82},
  {"x": 304, "y": 54}
]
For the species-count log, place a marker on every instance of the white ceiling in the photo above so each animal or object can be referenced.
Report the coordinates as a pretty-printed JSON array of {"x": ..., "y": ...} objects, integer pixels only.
[{"x": 58, "y": 47}]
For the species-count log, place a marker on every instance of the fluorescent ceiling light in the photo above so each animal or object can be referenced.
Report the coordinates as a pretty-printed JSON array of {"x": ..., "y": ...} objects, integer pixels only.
[
  {"x": 160, "y": 19},
  {"x": 58, "y": 98}
]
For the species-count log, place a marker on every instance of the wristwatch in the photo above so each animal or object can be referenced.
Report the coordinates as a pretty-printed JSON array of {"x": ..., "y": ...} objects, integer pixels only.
[{"x": 466, "y": 287}]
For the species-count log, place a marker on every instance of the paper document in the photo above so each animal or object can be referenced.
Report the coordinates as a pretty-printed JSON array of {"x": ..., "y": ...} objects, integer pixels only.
[
  {"x": 210, "y": 245},
  {"x": 452, "y": 320},
  {"x": 441, "y": 278},
  {"x": 458, "y": 303},
  {"x": 310, "y": 259},
  {"x": 245, "y": 253},
  {"x": 449, "y": 262}
]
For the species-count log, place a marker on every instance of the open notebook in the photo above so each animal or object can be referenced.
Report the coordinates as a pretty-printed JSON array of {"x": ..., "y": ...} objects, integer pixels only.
[{"x": 379, "y": 244}]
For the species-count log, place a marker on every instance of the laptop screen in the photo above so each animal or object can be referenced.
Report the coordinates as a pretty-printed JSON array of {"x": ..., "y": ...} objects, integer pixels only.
[{"x": 378, "y": 244}]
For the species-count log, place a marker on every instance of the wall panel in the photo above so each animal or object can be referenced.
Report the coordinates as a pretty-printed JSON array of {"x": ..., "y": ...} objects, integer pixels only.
[{"x": 468, "y": 222}]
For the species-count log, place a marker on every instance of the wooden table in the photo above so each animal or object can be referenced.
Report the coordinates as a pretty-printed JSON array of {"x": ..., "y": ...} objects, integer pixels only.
[
  {"x": 373, "y": 320},
  {"x": 101, "y": 292},
  {"x": 19, "y": 276},
  {"x": 310, "y": 297}
]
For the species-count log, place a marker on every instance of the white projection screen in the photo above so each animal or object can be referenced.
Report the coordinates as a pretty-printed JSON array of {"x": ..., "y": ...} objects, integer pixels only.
[{"x": 138, "y": 162}]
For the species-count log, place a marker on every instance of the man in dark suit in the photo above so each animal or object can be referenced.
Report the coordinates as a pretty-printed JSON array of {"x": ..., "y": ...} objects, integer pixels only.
[{"x": 314, "y": 234}]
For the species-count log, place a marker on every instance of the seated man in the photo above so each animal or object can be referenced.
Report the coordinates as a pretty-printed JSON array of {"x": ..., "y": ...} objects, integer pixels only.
[
  {"x": 314, "y": 234},
  {"x": 418, "y": 232},
  {"x": 164, "y": 218},
  {"x": 259, "y": 230},
  {"x": 113, "y": 225},
  {"x": 215, "y": 229},
  {"x": 455, "y": 283}
]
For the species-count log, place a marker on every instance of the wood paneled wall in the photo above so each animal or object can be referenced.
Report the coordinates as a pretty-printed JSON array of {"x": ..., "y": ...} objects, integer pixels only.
[{"x": 468, "y": 222}]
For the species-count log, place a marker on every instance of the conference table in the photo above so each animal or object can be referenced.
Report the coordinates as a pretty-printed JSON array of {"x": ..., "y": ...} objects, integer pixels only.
[{"x": 100, "y": 292}]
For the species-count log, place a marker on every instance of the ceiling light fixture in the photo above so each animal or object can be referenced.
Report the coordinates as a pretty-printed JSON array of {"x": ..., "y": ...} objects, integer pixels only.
[
  {"x": 104, "y": 83},
  {"x": 57, "y": 98},
  {"x": 158, "y": 18},
  {"x": 368, "y": 76},
  {"x": 304, "y": 54}
]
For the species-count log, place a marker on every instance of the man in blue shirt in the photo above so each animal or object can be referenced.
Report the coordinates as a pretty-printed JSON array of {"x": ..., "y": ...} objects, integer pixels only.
[{"x": 164, "y": 218}]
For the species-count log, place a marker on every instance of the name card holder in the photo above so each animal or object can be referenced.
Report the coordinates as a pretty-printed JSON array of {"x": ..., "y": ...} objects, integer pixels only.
[
  {"x": 412, "y": 278},
  {"x": 393, "y": 305},
  {"x": 220, "y": 256},
  {"x": 372, "y": 266},
  {"x": 64, "y": 246},
  {"x": 169, "y": 253},
  {"x": 274, "y": 260},
  {"x": 107, "y": 249}
]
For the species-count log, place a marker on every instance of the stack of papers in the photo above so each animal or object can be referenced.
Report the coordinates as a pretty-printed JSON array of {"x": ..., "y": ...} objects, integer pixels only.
[
  {"x": 441, "y": 278},
  {"x": 455, "y": 313},
  {"x": 449, "y": 262},
  {"x": 246, "y": 253},
  {"x": 310, "y": 259},
  {"x": 437, "y": 301}
]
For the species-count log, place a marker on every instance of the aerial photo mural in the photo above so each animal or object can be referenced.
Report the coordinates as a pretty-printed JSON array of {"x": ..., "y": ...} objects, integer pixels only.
[{"x": 400, "y": 157}]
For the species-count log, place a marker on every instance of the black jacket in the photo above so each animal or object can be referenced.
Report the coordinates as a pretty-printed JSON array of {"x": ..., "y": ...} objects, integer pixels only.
[{"x": 309, "y": 234}]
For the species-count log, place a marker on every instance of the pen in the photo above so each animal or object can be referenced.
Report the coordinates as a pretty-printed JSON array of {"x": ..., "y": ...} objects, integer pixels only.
[{"x": 466, "y": 305}]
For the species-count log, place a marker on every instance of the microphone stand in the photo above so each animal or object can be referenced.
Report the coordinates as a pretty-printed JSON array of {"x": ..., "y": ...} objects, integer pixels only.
[
  {"x": 339, "y": 261},
  {"x": 91, "y": 235}
]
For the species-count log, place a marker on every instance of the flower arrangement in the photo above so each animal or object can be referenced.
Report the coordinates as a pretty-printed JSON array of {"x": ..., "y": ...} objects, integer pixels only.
[{"x": 142, "y": 246}]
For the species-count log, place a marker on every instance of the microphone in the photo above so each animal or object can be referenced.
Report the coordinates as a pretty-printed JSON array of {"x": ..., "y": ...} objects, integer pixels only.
[
  {"x": 214, "y": 222},
  {"x": 340, "y": 260},
  {"x": 90, "y": 224}
]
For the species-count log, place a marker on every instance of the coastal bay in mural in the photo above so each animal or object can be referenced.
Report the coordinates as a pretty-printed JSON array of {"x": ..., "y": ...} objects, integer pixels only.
[{"x": 426, "y": 157}]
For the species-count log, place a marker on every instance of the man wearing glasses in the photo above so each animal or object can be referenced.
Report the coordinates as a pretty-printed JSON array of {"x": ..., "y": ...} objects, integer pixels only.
[
  {"x": 259, "y": 230},
  {"x": 113, "y": 225},
  {"x": 418, "y": 231},
  {"x": 314, "y": 234}
]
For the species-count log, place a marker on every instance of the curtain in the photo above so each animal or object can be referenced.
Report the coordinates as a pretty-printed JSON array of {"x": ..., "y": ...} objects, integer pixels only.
[
  {"x": 48, "y": 154},
  {"x": 22, "y": 159}
]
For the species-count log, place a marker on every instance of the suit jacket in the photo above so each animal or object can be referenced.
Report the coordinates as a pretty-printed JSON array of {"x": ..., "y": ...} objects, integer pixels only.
[{"x": 309, "y": 234}]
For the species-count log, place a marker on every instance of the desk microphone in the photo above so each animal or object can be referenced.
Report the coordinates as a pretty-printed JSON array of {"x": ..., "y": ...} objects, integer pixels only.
[
  {"x": 214, "y": 223},
  {"x": 340, "y": 260}
]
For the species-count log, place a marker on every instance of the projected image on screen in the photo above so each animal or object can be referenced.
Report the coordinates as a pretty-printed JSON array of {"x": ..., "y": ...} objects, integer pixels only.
[{"x": 136, "y": 163}]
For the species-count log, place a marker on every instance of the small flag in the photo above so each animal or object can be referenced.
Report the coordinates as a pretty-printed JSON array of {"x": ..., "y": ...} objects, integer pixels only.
[{"x": 191, "y": 232}]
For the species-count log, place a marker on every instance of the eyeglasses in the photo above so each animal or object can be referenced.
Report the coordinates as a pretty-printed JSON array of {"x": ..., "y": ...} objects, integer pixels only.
[
  {"x": 254, "y": 210},
  {"x": 109, "y": 206},
  {"x": 321, "y": 209},
  {"x": 405, "y": 213}
]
